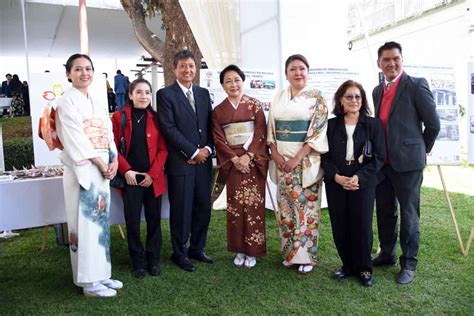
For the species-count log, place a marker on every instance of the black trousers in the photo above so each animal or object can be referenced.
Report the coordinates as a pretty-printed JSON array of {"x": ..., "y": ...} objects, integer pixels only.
[
  {"x": 190, "y": 210},
  {"x": 351, "y": 214},
  {"x": 403, "y": 187},
  {"x": 133, "y": 199}
]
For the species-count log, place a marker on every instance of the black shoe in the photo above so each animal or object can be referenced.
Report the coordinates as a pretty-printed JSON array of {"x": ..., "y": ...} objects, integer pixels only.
[
  {"x": 406, "y": 277},
  {"x": 341, "y": 274},
  {"x": 154, "y": 270},
  {"x": 139, "y": 273},
  {"x": 366, "y": 279},
  {"x": 201, "y": 257},
  {"x": 382, "y": 260},
  {"x": 184, "y": 264}
]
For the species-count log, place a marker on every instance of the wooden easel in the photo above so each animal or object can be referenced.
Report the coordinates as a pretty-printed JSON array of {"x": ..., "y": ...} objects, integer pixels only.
[{"x": 464, "y": 251}]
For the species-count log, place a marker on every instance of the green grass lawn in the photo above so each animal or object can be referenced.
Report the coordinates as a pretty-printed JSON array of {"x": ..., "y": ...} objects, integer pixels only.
[
  {"x": 41, "y": 283},
  {"x": 16, "y": 127}
]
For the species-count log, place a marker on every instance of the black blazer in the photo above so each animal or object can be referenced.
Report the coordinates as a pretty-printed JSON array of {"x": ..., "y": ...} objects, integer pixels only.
[
  {"x": 334, "y": 160},
  {"x": 407, "y": 142},
  {"x": 185, "y": 130}
]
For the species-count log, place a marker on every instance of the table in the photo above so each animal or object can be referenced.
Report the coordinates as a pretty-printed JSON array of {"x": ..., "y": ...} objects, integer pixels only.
[
  {"x": 39, "y": 202},
  {"x": 5, "y": 103}
]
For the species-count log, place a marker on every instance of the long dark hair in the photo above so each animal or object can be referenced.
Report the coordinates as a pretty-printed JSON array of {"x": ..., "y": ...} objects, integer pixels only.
[{"x": 339, "y": 109}]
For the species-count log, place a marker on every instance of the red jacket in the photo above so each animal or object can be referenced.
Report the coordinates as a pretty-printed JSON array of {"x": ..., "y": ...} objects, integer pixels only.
[{"x": 156, "y": 144}]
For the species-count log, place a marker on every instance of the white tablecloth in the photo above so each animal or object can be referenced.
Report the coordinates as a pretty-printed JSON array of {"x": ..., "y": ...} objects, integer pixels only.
[
  {"x": 5, "y": 103},
  {"x": 39, "y": 202}
]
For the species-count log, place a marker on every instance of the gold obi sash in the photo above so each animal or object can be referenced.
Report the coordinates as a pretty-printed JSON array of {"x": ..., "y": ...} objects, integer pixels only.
[{"x": 238, "y": 133}]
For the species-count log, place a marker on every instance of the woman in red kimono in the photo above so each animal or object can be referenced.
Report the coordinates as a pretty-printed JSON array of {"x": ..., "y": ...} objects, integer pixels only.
[
  {"x": 239, "y": 129},
  {"x": 143, "y": 169}
]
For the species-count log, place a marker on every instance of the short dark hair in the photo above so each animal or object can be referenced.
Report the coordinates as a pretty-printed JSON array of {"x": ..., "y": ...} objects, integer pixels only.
[
  {"x": 71, "y": 59},
  {"x": 231, "y": 68},
  {"x": 388, "y": 46},
  {"x": 119, "y": 72},
  {"x": 136, "y": 82},
  {"x": 8, "y": 75},
  {"x": 339, "y": 109},
  {"x": 182, "y": 54},
  {"x": 294, "y": 57}
]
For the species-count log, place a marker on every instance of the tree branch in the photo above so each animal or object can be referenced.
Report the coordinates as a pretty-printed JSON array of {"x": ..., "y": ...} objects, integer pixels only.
[{"x": 149, "y": 40}]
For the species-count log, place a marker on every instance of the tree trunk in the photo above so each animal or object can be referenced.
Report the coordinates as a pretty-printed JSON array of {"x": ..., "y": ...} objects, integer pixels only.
[{"x": 178, "y": 35}]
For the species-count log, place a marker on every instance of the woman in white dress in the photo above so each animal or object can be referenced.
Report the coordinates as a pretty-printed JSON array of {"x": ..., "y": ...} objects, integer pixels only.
[
  {"x": 90, "y": 161},
  {"x": 297, "y": 136}
]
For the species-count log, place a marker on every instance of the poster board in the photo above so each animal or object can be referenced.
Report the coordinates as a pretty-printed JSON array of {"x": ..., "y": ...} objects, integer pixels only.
[
  {"x": 442, "y": 82},
  {"x": 470, "y": 119},
  {"x": 328, "y": 80},
  {"x": 258, "y": 84}
]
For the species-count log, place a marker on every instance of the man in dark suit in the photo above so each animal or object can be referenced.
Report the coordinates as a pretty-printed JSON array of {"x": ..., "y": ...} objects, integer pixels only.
[
  {"x": 184, "y": 113},
  {"x": 404, "y": 104},
  {"x": 5, "y": 86}
]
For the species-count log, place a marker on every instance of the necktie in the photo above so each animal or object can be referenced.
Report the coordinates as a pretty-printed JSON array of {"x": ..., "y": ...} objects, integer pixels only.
[
  {"x": 389, "y": 84},
  {"x": 191, "y": 100}
]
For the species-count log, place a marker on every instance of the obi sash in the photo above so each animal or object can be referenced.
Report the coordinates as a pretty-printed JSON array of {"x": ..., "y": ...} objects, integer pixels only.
[
  {"x": 238, "y": 133},
  {"x": 291, "y": 131},
  {"x": 96, "y": 130}
]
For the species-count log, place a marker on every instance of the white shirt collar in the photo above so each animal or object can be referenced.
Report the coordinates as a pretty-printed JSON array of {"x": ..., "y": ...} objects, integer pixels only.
[
  {"x": 184, "y": 89},
  {"x": 396, "y": 78}
]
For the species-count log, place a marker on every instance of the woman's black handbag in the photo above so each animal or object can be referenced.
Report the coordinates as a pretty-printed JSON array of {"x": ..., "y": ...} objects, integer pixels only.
[
  {"x": 367, "y": 150},
  {"x": 119, "y": 181}
]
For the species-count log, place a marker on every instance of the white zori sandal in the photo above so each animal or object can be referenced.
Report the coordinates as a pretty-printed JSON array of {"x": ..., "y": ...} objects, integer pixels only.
[
  {"x": 250, "y": 262},
  {"x": 239, "y": 259},
  {"x": 98, "y": 290},
  {"x": 112, "y": 284},
  {"x": 305, "y": 268}
]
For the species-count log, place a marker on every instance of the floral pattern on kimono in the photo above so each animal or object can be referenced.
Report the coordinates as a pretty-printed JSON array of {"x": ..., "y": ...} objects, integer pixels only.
[
  {"x": 245, "y": 192},
  {"x": 299, "y": 191}
]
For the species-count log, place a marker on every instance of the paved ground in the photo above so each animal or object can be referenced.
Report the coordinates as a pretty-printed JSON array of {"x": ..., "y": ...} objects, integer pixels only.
[{"x": 458, "y": 179}]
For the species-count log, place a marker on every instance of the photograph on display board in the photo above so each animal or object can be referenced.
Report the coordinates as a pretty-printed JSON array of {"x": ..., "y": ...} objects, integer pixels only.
[{"x": 442, "y": 82}]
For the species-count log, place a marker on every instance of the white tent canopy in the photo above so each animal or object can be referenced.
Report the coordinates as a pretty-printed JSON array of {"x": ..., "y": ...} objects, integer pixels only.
[{"x": 53, "y": 32}]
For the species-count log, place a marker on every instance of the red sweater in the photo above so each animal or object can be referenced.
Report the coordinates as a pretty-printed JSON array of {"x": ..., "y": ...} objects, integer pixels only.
[{"x": 385, "y": 108}]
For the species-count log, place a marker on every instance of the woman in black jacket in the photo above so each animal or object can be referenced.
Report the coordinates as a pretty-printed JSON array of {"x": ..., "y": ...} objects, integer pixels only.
[{"x": 351, "y": 178}]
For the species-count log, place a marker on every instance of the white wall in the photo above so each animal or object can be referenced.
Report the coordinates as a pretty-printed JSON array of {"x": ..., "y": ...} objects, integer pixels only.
[{"x": 259, "y": 35}]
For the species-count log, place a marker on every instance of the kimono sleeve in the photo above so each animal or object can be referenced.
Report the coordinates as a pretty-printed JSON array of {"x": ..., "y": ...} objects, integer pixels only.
[
  {"x": 316, "y": 136},
  {"x": 71, "y": 132}
]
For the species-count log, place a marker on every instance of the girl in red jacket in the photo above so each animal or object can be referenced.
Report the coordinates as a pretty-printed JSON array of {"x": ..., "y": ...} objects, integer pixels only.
[{"x": 143, "y": 169}]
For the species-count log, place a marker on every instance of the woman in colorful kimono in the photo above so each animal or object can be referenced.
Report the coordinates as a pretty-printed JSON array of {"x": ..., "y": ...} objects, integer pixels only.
[
  {"x": 143, "y": 169},
  {"x": 239, "y": 129},
  {"x": 297, "y": 137},
  {"x": 90, "y": 160}
]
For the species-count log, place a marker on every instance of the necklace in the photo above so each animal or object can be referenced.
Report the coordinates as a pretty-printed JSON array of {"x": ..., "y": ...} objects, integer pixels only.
[{"x": 138, "y": 120}]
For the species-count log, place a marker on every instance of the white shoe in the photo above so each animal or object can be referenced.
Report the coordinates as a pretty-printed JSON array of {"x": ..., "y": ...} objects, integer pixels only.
[
  {"x": 250, "y": 262},
  {"x": 98, "y": 290},
  {"x": 112, "y": 284},
  {"x": 239, "y": 259},
  {"x": 305, "y": 268}
]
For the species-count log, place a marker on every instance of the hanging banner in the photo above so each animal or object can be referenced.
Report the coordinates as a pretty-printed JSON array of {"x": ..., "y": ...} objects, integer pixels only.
[{"x": 447, "y": 149}]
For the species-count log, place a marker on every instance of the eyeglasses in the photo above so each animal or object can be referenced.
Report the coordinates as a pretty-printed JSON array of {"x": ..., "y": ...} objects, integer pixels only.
[{"x": 353, "y": 97}]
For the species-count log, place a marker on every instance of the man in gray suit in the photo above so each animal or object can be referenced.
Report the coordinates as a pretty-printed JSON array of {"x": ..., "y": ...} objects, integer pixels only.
[{"x": 406, "y": 107}]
